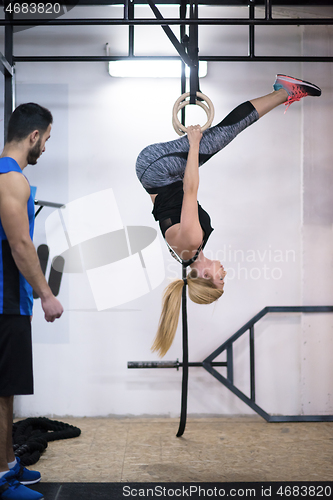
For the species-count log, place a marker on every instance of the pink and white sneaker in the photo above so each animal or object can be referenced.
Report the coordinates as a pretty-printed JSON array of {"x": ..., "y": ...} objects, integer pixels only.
[{"x": 296, "y": 89}]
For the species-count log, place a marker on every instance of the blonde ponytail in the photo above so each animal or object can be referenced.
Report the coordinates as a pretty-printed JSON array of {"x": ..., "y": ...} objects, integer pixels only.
[
  {"x": 169, "y": 317},
  {"x": 200, "y": 291}
]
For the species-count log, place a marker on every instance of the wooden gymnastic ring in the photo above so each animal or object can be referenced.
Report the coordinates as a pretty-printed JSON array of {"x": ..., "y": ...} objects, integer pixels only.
[
  {"x": 181, "y": 102},
  {"x": 182, "y": 105}
]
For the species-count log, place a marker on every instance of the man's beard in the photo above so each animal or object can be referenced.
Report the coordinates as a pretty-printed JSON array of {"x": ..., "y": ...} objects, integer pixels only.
[{"x": 34, "y": 153}]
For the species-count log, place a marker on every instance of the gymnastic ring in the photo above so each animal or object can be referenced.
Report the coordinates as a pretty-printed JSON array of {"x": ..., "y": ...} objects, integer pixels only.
[
  {"x": 181, "y": 102},
  {"x": 182, "y": 105}
]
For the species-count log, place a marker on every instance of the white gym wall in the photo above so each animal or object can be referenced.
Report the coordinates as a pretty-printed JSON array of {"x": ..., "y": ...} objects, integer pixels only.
[{"x": 269, "y": 197}]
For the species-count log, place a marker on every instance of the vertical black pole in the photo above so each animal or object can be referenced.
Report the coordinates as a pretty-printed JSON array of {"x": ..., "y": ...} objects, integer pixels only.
[
  {"x": 251, "y": 28},
  {"x": 8, "y": 97},
  {"x": 183, "y": 412},
  {"x": 182, "y": 11},
  {"x": 130, "y": 13},
  {"x": 230, "y": 364},
  {"x": 126, "y": 8},
  {"x": 252, "y": 365},
  {"x": 268, "y": 9}
]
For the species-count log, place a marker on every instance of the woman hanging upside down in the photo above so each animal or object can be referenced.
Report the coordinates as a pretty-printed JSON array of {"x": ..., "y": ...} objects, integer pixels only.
[{"x": 169, "y": 172}]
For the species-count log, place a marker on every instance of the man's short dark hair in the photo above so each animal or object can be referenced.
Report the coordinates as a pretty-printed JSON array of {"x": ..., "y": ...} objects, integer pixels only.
[{"x": 25, "y": 119}]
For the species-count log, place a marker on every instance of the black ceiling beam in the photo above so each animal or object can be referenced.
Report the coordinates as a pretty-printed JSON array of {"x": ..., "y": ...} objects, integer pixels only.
[
  {"x": 201, "y": 58},
  {"x": 172, "y": 21},
  {"x": 227, "y": 3}
]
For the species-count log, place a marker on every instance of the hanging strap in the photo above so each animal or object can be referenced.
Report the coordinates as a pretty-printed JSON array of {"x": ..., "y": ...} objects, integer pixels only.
[{"x": 183, "y": 411}]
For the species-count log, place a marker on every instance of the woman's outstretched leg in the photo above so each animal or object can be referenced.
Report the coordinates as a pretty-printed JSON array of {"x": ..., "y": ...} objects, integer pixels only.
[
  {"x": 286, "y": 90},
  {"x": 268, "y": 102},
  {"x": 219, "y": 136},
  {"x": 164, "y": 163}
]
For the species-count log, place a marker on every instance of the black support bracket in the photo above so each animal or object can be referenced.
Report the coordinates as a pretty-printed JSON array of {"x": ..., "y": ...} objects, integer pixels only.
[{"x": 210, "y": 366}]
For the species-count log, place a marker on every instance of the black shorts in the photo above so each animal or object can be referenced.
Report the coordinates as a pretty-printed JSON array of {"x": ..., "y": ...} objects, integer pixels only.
[{"x": 16, "y": 377}]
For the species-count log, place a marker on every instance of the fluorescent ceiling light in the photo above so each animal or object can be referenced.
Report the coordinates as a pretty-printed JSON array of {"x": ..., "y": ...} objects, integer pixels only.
[{"x": 151, "y": 68}]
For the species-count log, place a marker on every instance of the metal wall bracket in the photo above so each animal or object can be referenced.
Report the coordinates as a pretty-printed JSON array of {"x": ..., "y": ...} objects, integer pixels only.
[
  {"x": 210, "y": 366},
  {"x": 42, "y": 204}
]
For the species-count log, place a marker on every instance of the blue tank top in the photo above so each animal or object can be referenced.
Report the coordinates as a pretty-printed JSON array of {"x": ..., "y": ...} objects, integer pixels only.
[{"x": 15, "y": 292}]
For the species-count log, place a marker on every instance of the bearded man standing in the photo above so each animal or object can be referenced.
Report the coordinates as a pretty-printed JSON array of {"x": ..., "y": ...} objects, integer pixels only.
[{"x": 28, "y": 130}]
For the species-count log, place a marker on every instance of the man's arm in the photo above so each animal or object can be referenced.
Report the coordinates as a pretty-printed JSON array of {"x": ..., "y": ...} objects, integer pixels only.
[{"x": 14, "y": 194}]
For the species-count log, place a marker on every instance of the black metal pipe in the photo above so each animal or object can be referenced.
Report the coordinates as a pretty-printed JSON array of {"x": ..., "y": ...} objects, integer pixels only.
[
  {"x": 299, "y": 309},
  {"x": 164, "y": 21},
  {"x": 268, "y": 9},
  {"x": 170, "y": 34},
  {"x": 126, "y": 9},
  {"x": 131, "y": 28},
  {"x": 182, "y": 28},
  {"x": 38, "y": 211},
  {"x": 9, "y": 90},
  {"x": 170, "y": 364},
  {"x": 267, "y": 58},
  {"x": 251, "y": 29},
  {"x": 216, "y": 3},
  {"x": 300, "y": 418},
  {"x": 30, "y": 59},
  {"x": 252, "y": 365},
  {"x": 5, "y": 67},
  {"x": 230, "y": 364},
  {"x": 49, "y": 204}
]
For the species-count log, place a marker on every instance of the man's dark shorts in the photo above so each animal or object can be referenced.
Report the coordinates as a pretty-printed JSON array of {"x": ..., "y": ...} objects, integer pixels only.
[{"x": 16, "y": 377}]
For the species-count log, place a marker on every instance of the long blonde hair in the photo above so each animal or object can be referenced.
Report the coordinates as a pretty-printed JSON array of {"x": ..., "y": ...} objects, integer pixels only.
[{"x": 200, "y": 291}]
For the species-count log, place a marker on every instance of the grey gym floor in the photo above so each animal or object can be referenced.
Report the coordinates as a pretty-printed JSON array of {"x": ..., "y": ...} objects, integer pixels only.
[{"x": 233, "y": 449}]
